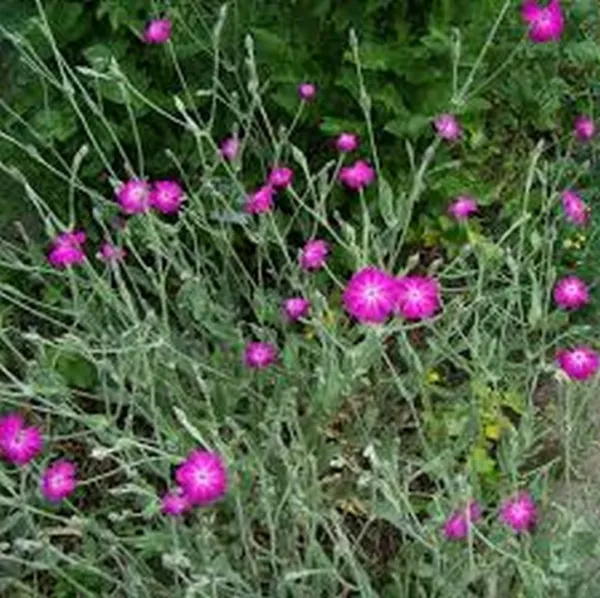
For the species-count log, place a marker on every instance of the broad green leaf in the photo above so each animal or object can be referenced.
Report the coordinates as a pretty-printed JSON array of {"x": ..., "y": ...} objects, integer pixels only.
[
  {"x": 412, "y": 126},
  {"x": 331, "y": 125},
  {"x": 100, "y": 55},
  {"x": 387, "y": 204},
  {"x": 535, "y": 309},
  {"x": 185, "y": 422},
  {"x": 481, "y": 462},
  {"x": 57, "y": 125}
]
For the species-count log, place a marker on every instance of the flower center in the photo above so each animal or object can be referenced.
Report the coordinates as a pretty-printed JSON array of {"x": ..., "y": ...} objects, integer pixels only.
[
  {"x": 372, "y": 294},
  {"x": 57, "y": 480},
  {"x": 579, "y": 358},
  {"x": 519, "y": 512},
  {"x": 572, "y": 290},
  {"x": 415, "y": 295},
  {"x": 19, "y": 440},
  {"x": 545, "y": 19},
  {"x": 202, "y": 477}
]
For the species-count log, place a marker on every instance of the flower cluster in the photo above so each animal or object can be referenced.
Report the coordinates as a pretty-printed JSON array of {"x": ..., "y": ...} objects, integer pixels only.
[
  {"x": 66, "y": 249},
  {"x": 20, "y": 444},
  {"x": 358, "y": 176},
  {"x": 518, "y": 512},
  {"x": 134, "y": 196},
  {"x": 372, "y": 296},
  {"x": 202, "y": 479},
  {"x": 137, "y": 196},
  {"x": 545, "y": 24}
]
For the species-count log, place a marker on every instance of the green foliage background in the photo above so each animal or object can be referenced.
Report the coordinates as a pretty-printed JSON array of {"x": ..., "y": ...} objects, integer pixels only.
[{"x": 405, "y": 53}]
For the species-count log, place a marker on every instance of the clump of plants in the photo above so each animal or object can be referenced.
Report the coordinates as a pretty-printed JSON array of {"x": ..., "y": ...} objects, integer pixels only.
[{"x": 238, "y": 370}]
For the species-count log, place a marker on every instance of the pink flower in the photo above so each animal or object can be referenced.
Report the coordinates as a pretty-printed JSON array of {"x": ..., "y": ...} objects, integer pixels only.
[
  {"x": 571, "y": 292},
  {"x": 519, "y": 512},
  {"x": 66, "y": 249},
  {"x": 166, "y": 197},
  {"x": 417, "y": 297},
  {"x": 281, "y": 177},
  {"x": 357, "y": 176},
  {"x": 585, "y": 128},
  {"x": 314, "y": 255},
  {"x": 346, "y": 142},
  {"x": 575, "y": 209},
  {"x": 295, "y": 308},
  {"x": 19, "y": 443},
  {"x": 579, "y": 363},
  {"x": 307, "y": 91},
  {"x": 134, "y": 196},
  {"x": 260, "y": 201},
  {"x": 175, "y": 502},
  {"x": 463, "y": 207},
  {"x": 457, "y": 525},
  {"x": 546, "y": 23},
  {"x": 370, "y": 295},
  {"x": 259, "y": 355},
  {"x": 230, "y": 148},
  {"x": 111, "y": 253},
  {"x": 202, "y": 477},
  {"x": 158, "y": 31},
  {"x": 447, "y": 127},
  {"x": 59, "y": 480}
]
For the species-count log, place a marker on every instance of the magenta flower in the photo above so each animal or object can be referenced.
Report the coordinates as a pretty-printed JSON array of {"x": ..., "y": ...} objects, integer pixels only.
[
  {"x": 417, "y": 297},
  {"x": 259, "y": 355},
  {"x": 575, "y": 210},
  {"x": 357, "y": 176},
  {"x": 463, "y": 207},
  {"x": 314, "y": 255},
  {"x": 307, "y": 91},
  {"x": 260, "y": 201},
  {"x": 281, "y": 177},
  {"x": 346, "y": 142},
  {"x": 370, "y": 295},
  {"x": 19, "y": 443},
  {"x": 166, "y": 197},
  {"x": 111, "y": 253},
  {"x": 579, "y": 363},
  {"x": 519, "y": 512},
  {"x": 571, "y": 292},
  {"x": 202, "y": 477},
  {"x": 545, "y": 23},
  {"x": 175, "y": 502},
  {"x": 59, "y": 480},
  {"x": 457, "y": 525},
  {"x": 585, "y": 128},
  {"x": 134, "y": 196},
  {"x": 66, "y": 249},
  {"x": 229, "y": 148},
  {"x": 447, "y": 127},
  {"x": 158, "y": 31},
  {"x": 295, "y": 308}
]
